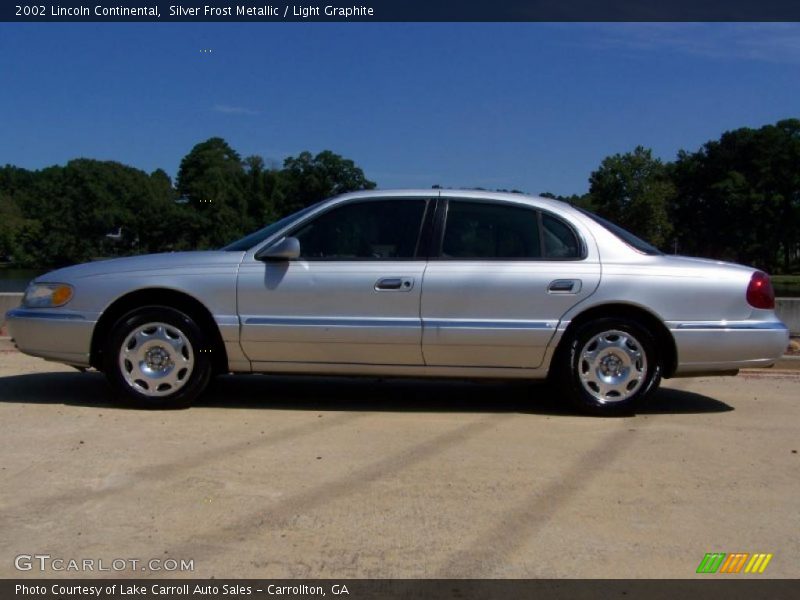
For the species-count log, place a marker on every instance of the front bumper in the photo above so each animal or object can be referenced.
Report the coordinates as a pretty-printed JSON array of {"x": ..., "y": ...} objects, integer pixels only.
[
  {"x": 53, "y": 334},
  {"x": 723, "y": 346}
]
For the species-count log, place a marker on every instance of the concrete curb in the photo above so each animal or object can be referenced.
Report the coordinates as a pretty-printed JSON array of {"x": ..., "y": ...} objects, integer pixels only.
[
  {"x": 8, "y": 300},
  {"x": 791, "y": 363}
]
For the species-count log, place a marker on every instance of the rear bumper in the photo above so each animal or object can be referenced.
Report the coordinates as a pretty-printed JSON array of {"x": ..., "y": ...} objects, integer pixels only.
[
  {"x": 722, "y": 346},
  {"x": 52, "y": 334}
]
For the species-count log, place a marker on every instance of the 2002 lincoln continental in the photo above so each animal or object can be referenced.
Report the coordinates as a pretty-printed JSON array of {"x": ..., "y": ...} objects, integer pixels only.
[{"x": 410, "y": 283}]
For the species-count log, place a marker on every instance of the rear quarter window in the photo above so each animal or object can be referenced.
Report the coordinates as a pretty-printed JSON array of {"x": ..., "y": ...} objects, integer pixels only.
[{"x": 560, "y": 241}]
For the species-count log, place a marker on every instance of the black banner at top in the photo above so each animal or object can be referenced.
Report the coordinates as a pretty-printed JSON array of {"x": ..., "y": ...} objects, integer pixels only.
[{"x": 399, "y": 10}]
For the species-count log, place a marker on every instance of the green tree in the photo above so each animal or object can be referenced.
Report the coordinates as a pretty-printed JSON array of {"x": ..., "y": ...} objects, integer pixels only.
[
  {"x": 212, "y": 180},
  {"x": 306, "y": 179},
  {"x": 88, "y": 208},
  {"x": 63, "y": 215},
  {"x": 634, "y": 191},
  {"x": 15, "y": 228},
  {"x": 260, "y": 183},
  {"x": 584, "y": 201},
  {"x": 739, "y": 196},
  {"x": 11, "y": 221}
]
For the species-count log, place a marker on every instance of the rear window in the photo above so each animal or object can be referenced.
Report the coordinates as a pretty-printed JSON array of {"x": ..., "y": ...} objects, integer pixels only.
[{"x": 626, "y": 236}]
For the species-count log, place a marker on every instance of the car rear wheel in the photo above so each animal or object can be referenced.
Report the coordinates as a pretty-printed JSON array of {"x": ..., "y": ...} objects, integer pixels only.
[
  {"x": 612, "y": 366},
  {"x": 158, "y": 357}
]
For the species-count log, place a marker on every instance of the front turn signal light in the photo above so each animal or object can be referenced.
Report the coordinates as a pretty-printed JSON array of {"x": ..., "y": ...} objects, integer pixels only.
[{"x": 47, "y": 295}]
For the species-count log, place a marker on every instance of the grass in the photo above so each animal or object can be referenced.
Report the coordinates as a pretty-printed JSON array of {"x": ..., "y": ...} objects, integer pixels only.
[
  {"x": 786, "y": 285},
  {"x": 786, "y": 280}
]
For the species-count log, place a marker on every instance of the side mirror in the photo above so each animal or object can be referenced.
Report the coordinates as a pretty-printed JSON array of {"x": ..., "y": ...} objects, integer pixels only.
[{"x": 284, "y": 249}]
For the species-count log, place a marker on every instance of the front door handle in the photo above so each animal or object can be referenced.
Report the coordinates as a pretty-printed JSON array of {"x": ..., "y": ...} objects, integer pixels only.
[
  {"x": 394, "y": 284},
  {"x": 564, "y": 286}
]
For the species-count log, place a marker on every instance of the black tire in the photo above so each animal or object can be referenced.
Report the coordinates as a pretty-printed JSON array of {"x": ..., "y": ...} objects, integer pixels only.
[
  {"x": 172, "y": 365},
  {"x": 626, "y": 381}
]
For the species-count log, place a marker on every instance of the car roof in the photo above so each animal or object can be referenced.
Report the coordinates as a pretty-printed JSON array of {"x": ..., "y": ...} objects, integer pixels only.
[{"x": 530, "y": 200}]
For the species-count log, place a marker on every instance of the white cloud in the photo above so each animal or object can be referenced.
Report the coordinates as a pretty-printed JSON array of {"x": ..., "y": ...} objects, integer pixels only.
[
  {"x": 235, "y": 110},
  {"x": 770, "y": 42}
]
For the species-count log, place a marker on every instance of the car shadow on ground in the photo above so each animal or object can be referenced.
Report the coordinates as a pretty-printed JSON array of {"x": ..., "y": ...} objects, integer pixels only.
[{"x": 344, "y": 394}]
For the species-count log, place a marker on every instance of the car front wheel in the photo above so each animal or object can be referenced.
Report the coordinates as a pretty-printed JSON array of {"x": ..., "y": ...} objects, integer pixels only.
[
  {"x": 158, "y": 358},
  {"x": 613, "y": 365}
]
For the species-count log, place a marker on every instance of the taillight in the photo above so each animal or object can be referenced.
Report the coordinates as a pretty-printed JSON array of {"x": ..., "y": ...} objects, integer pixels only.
[{"x": 760, "y": 293}]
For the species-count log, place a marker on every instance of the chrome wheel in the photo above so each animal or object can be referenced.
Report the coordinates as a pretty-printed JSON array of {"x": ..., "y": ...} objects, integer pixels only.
[
  {"x": 612, "y": 366},
  {"x": 156, "y": 359}
]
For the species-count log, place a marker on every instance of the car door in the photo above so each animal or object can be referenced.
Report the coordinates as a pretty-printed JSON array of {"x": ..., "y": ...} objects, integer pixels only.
[
  {"x": 505, "y": 274},
  {"x": 352, "y": 296}
]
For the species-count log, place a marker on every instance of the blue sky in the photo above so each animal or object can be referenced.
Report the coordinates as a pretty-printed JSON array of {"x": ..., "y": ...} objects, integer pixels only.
[{"x": 528, "y": 106}]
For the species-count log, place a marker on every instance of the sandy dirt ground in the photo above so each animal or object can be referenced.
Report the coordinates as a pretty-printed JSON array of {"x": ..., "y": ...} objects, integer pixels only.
[{"x": 289, "y": 477}]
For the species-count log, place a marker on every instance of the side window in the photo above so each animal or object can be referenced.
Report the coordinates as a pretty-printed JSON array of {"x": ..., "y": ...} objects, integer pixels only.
[
  {"x": 381, "y": 229},
  {"x": 559, "y": 239},
  {"x": 481, "y": 230}
]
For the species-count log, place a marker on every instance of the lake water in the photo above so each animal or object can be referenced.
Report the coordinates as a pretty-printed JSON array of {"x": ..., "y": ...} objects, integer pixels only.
[{"x": 16, "y": 280}]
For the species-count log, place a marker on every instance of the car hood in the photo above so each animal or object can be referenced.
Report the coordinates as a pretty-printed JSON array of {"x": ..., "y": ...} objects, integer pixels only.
[{"x": 147, "y": 262}]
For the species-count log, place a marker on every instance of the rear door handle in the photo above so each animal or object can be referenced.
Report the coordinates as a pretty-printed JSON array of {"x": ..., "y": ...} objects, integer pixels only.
[
  {"x": 394, "y": 284},
  {"x": 564, "y": 286}
]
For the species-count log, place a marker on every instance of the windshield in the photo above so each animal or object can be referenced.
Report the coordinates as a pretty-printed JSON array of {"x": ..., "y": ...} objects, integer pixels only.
[
  {"x": 259, "y": 236},
  {"x": 626, "y": 236}
]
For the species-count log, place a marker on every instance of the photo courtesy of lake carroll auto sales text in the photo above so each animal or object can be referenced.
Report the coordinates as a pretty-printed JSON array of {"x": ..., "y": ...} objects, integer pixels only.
[
  {"x": 178, "y": 589},
  {"x": 400, "y": 300}
]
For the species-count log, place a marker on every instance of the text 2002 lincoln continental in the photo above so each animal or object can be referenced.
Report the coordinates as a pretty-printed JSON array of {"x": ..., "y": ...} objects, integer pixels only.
[{"x": 410, "y": 283}]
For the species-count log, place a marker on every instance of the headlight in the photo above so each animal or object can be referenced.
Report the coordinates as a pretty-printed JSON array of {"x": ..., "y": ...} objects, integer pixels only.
[{"x": 47, "y": 295}]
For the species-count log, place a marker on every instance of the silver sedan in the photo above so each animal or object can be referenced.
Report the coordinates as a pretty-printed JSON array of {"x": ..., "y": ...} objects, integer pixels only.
[{"x": 422, "y": 283}]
